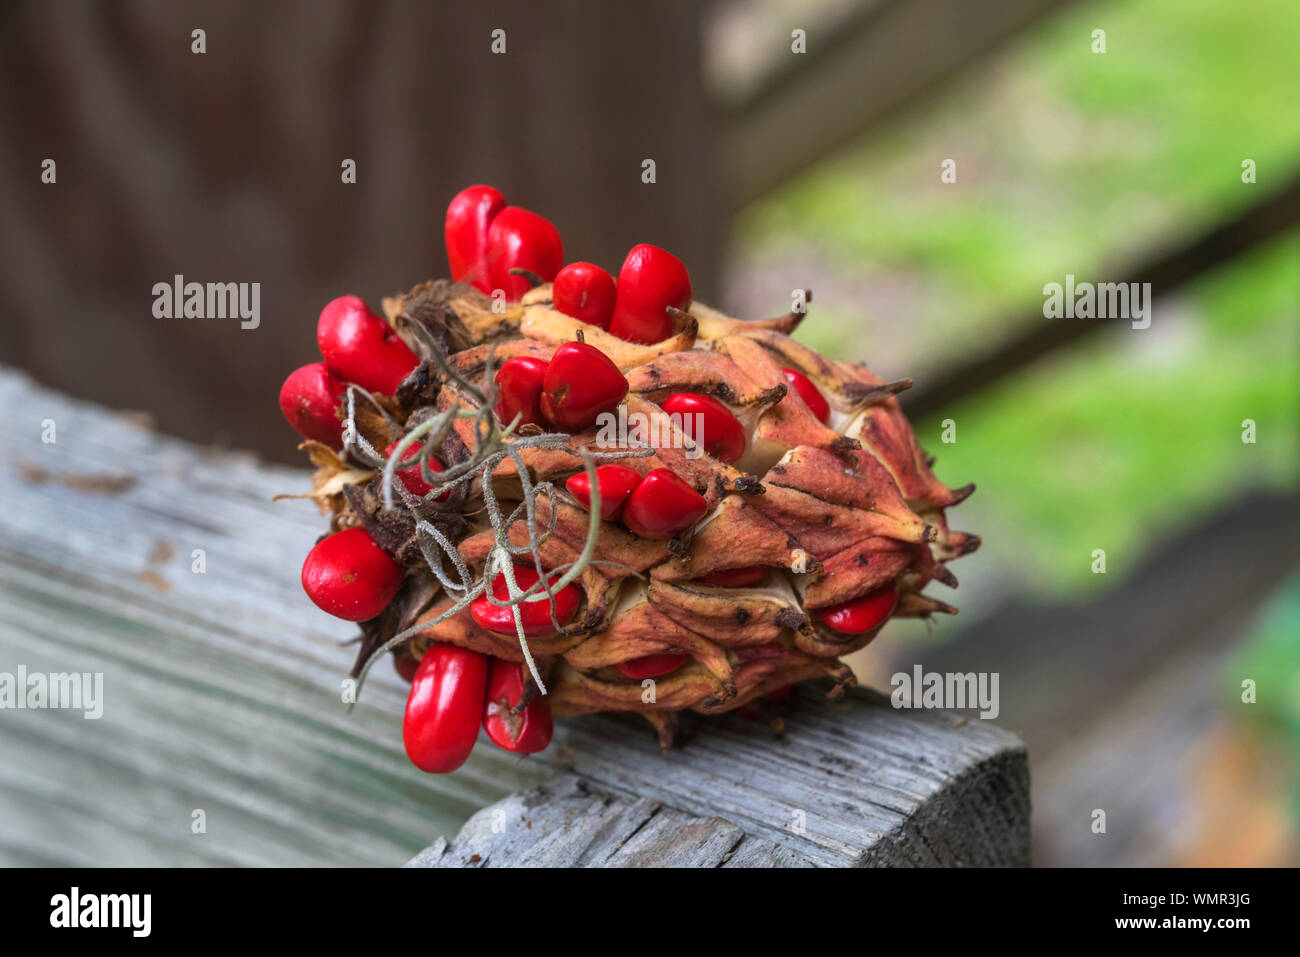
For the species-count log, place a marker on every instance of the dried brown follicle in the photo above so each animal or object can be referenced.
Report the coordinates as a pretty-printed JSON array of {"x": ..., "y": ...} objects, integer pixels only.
[
  {"x": 735, "y": 535},
  {"x": 716, "y": 326},
  {"x": 331, "y": 477},
  {"x": 640, "y": 628},
  {"x": 546, "y": 325},
  {"x": 456, "y": 314},
  {"x": 830, "y": 511}
]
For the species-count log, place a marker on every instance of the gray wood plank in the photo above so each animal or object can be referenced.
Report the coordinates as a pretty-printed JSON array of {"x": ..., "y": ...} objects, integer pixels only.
[
  {"x": 222, "y": 694},
  {"x": 565, "y": 823},
  {"x": 221, "y": 689},
  {"x": 848, "y": 783}
]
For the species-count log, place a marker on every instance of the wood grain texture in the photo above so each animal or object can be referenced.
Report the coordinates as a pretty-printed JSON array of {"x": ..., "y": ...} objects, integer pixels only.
[
  {"x": 566, "y": 824},
  {"x": 221, "y": 693},
  {"x": 847, "y": 784},
  {"x": 221, "y": 690}
]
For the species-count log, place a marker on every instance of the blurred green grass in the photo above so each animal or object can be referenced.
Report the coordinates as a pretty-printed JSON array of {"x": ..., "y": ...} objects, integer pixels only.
[
  {"x": 1070, "y": 161},
  {"x": 1117, "y": 445}
]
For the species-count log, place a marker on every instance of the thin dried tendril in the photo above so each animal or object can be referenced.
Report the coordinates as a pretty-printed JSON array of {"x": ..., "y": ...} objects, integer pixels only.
[{"x": 493, "y": 445}]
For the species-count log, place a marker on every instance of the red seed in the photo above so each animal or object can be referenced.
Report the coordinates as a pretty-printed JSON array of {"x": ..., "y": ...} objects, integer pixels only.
[
  {"x": 520, "y": 239},
  {"x": 519, "y": 390},
  {"x": 411, "y": 477},
  {"x": 405, "y": 664},
  {"x": 536, "y": 615},
  {"x": 527, "y": 732},
  {"x": 349, "y": 576},
  {"x": 586, "y": 292},
  {"x": 778, "y": 695},
  {"x": 362, "y": 348},
  {"x": 663, "y": 505},
  {"x": 308, "y": 400},
  {"x": 810, "y": 394},
  {"x": 723, "y": 436},
  {"x": 651, "y": 280},
  {"x": 650, "y": 666},
  {"x": 615, "y": 482},
  {"x": 860, "y": 615},
  {"x": 465, "y": 230},
  {"x": 736, "y": 577},
  {"x": 581, "y": 383},
  {"x": 444, "y": 708},
  {"x": 775, "y": 696}
]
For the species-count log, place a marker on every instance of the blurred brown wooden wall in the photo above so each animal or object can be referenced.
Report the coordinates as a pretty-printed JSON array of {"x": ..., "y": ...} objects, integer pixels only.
[{"x": 225, "y": 167}]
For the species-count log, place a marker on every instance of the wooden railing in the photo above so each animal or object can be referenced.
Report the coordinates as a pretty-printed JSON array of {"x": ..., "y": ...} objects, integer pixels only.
[{"x": 168, "y": 569}]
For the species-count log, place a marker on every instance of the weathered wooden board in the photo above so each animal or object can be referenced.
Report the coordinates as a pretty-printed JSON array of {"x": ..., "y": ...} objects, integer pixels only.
[
  {"x": 848, "y": 783},
  {"x": 221, "y": 694},
  {"x": 566, "y": 824},
  {"x": 221, "y": 689}
]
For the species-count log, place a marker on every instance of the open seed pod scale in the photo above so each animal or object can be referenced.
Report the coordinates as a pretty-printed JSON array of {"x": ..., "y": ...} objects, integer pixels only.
[{"x": 554, "y": 492}]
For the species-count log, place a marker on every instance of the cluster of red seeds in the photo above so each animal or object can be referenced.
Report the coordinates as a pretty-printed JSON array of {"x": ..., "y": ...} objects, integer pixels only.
[{"x": 495, "y": 247}]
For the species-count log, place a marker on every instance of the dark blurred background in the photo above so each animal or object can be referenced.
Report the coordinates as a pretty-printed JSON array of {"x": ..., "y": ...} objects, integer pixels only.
[
  {"x": 226, "y": 166},
  {"x": 776, "y": 170}
]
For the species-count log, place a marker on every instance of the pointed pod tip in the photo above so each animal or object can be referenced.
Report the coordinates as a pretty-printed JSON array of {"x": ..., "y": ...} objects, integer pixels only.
[{"x": 960, "y": 495}]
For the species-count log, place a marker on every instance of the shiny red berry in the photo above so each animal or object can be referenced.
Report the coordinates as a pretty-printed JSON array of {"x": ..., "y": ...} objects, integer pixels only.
[
  {"x": 536, "y": 615},
  {"x": 410, "y": 476},
  {"x": 581, "y": 383},
  {"x": 615, "y": 483},
  {"x": 663, "y": 505},
  {"x": 527, "y": 732},
  {"x": 349, "y": 576},
  {"x": 810, "y": 394},
  {"x": 651, "y": 280},
  {"x": 444, "y": 708},
  {"x": 520, "y": 239},
  {"x": 723, "y": 437},
  {"x": 405, "y": 664},
  {"x": 465, "y": 230},
  {"x": 519, "y": 390},
  {"x": 362, "y": 348},
  {"x": 860, "y": 615},
  {"x": 586, "y": 292},
  {"x": 650, "y": 666},
  {"x": 309, "y": 399}
]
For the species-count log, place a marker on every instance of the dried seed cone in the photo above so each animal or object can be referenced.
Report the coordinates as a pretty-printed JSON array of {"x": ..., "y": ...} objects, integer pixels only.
[{"x": 833, "y": 511}]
